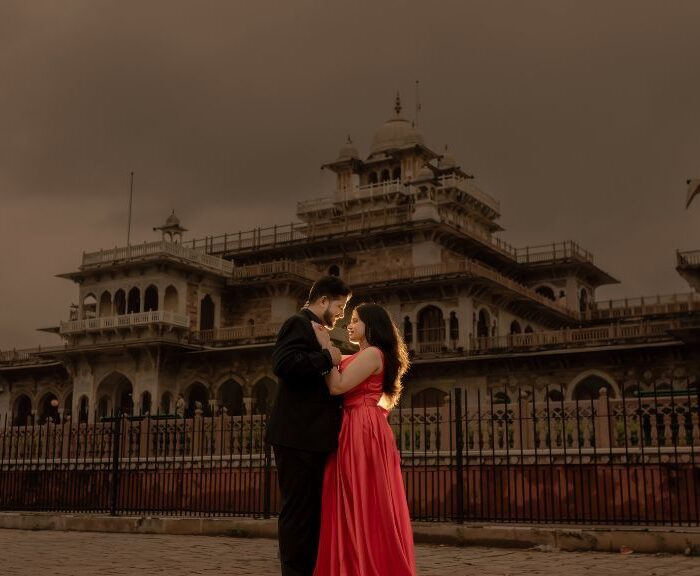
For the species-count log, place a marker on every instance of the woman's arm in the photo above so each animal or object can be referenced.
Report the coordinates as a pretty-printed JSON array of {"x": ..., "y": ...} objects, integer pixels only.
[
  {"x": 293, "y": 356},
  {"x": 367, "y": 362}
]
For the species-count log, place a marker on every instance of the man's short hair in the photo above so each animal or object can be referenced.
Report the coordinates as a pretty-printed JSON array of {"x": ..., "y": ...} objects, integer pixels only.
[{"x": 330, "y": 286}]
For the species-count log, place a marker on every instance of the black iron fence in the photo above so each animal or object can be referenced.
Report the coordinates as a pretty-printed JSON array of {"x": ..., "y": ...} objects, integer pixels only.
[{"x": 520, "y": 455}]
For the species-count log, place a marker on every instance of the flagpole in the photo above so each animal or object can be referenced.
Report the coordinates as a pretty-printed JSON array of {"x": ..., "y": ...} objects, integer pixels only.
[
  {"x": 131, "y": 195},
  {"x": 418, "y": 107}
]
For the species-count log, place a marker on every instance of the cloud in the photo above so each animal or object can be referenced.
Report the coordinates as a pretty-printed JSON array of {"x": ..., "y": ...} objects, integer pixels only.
[{"x": 580, "y": 117}]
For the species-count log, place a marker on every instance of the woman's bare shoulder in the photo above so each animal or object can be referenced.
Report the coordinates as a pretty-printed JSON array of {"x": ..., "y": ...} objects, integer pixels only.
[{"x": 373, "y": 355}]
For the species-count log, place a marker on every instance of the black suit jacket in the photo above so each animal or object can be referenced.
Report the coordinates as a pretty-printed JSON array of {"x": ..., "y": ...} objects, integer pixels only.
[{"x": 304, "y": 414}]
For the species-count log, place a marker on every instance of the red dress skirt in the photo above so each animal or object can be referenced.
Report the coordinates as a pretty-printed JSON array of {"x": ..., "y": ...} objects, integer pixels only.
[{"x": 365, "y": 526}]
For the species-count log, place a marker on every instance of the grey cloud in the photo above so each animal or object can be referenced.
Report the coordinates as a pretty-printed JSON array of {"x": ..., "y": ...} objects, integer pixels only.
[{"x": 580, "y": 117}]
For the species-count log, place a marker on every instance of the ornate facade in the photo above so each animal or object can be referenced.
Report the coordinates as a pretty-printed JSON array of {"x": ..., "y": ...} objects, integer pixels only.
[{"x": 163, "y": 325}]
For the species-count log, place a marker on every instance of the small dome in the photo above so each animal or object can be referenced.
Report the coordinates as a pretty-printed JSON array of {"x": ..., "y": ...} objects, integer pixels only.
[
  {"x": 447, "y": 160},
  {"x": 348, "y": 151},
  {"x": 172, "y": 220},
  {"x": 172, "y": 228},
  {"x": 425, "y": 173},
  {"x": 395, "y": 133}
]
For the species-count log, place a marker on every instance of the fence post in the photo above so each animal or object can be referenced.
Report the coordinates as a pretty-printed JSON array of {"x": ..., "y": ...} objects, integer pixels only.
[
  {"x": 526, "y": 413},
  {"x": 459, "y": 465},
  {"x": 197, "y": 431},
  {"x": 116, "y": 452},
  {"x": 267, "y": 480}
]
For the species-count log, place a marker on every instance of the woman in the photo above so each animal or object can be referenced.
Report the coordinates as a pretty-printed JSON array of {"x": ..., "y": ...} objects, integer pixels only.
[{"x": 365, "y": 526}]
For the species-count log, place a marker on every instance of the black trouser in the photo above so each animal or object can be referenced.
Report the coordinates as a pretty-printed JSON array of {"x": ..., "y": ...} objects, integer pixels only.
[{"x": 300, "y": 474}]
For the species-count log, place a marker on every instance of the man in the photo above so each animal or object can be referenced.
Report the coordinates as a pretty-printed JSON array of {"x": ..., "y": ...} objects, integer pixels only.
[{"x": 304, "y": 423}]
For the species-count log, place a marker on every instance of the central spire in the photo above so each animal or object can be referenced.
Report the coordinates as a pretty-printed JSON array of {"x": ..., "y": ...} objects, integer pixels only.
[{"x": 397, "y": 104}]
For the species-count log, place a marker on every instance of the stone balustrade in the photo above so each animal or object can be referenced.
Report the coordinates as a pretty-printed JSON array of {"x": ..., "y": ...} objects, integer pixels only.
[
  {"x": 688, "y": 259},
  {"x": 466, "y": 185},
  {"x": 192, "y": 256},
  {"x": 644, "y": 306},
  {"x": 124, "y": 321},
  {"x": 655, "y": 428},
  {"x": 461, "y": 268},
  {"x": 593, "y": 336},
  {"x": 652, "y": 429},
  {"x": 267, "y": 269},
  {"x": 247, "y": 333}
]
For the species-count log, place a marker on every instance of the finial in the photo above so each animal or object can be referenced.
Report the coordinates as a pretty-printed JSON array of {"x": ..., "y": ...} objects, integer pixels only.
[
  {"x": 349, "y": 139},
  {"x": 397, "y": 105}
]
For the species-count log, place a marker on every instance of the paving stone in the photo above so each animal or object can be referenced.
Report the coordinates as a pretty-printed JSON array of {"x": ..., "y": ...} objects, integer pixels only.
[{"x": 37, "y": 553}]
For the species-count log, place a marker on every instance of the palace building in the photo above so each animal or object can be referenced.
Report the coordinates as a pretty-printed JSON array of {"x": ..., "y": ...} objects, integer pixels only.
[{"x": 175, "y": 323}]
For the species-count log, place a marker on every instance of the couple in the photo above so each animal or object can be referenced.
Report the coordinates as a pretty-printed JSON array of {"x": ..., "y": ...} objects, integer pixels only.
[{"x": 344, "y": 508}]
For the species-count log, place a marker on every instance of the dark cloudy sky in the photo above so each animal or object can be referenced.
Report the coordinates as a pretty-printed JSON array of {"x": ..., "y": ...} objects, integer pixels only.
[{"x": 581, "y": 117}]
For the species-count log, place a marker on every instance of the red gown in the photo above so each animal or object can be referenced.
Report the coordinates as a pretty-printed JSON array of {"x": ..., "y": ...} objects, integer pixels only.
[{"x": 365, "y": 526}]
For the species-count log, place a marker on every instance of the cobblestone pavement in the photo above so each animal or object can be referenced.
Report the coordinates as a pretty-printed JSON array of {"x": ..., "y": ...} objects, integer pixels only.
[{"x": 39, "y": 553}]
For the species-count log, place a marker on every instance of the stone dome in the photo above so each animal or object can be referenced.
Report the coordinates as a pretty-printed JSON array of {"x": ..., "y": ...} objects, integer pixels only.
[
  {"x": 397, "y": 132},
  {"x": 425, "y": 173},
  {"x": 172, "y": 220},
  {"x": 447, "y": 160},
  {"x": 348, "y": 151}
]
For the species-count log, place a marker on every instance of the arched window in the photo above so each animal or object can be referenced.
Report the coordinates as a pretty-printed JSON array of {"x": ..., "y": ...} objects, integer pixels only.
[
  {"x": 589, "y": 388},
  {"x": 105, "y": 304},
  {"x": 583, "y": 300},
  {"x": 231, "y": 398},
  {"x": 631, "y": 391},
  {"x": 22, "y": 410},
  {"x": 133, "y": 305},
  {"x": 89, "y": 307},
  {"x": 555, "y": 395},
  {"x": 83, "y": 409},
  {"x": 396, "y": 175},
  {"x": 150, "y": 299},
  {"x": 515, "y": 327},
  {"x": 454, "y": 327},
  {"x": 545, "y": 291},
  {"x": 119, "y": 302},
  {"x": 103, "y": 407},
  {"x": 48, "y": 408},
  {"x": 662, "y": 389},
  {"x": 373, "y": 178},
  {"x": 528, "y": 329},
  {"x": 68, "y": 406},
  {"x": 333, "y": 270},
  {"x": 385, "y": 176},
  {"x": 171, "y": 303},
  {"x": 431, "y": 326},
  {"x": 145, "y": 403},
  {"x": 407, "y": 330},
  {"x": 429, "y": 398},
  {"x": 206, "y": 313},
  {"x": 483, "y": 325},
  {"x": 115, "y": 395},
  {"x": 166, "y": 401},
  {"x": 262, "y": 395},
  {"x": 501, "y": 397},
  {"x": 125, "y": 399},
  {"x": 197, "y": 393}
]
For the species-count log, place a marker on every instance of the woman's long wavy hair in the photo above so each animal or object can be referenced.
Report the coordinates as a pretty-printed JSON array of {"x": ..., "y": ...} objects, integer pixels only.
[{"x": 381, "y": 332}]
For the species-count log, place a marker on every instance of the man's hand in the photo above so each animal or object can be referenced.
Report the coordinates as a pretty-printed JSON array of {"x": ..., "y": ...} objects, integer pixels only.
[{"x": 336, "y": 355}]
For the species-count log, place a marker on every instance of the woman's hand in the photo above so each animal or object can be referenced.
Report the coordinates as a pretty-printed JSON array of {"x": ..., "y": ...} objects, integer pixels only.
[{"x": 322, "y": 335}]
